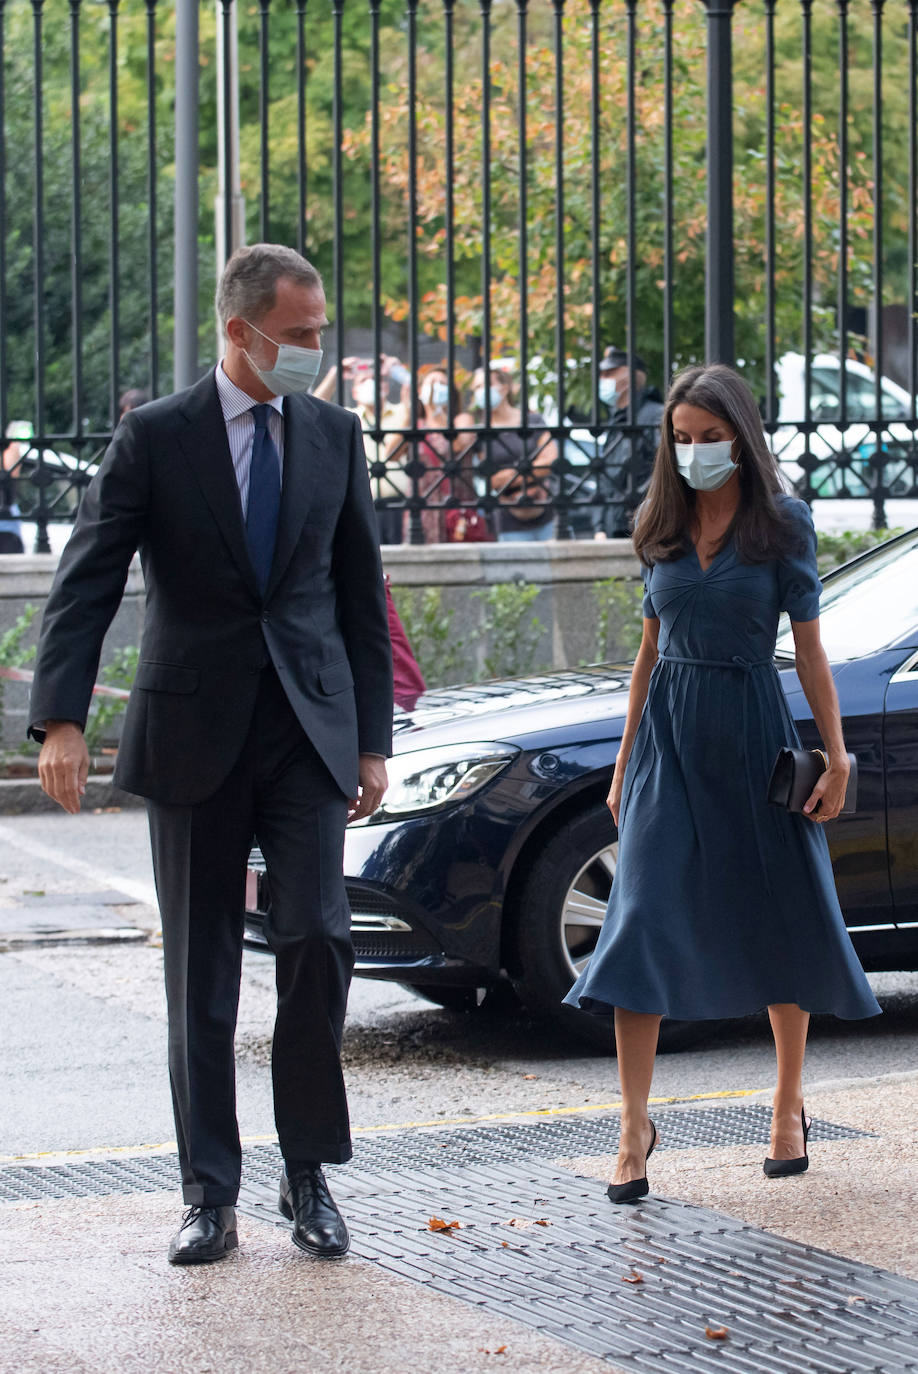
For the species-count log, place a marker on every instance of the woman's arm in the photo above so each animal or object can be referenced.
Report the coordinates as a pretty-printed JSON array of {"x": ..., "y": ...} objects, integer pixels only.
[
  {"x": 816, "y": 680},
  {"x": 640, "y": 681}
]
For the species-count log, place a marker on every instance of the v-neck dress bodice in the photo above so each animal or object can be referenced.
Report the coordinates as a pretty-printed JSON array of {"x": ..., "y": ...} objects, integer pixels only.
[{"x": 721, "y": 903}]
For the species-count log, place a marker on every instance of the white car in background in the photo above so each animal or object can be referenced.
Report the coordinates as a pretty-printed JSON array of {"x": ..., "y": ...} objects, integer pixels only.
[{"x": 854, "y": 444}]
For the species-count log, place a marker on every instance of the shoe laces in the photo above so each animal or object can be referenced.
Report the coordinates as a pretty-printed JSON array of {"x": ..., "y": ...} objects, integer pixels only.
[{"x": 195, "y": 1211}]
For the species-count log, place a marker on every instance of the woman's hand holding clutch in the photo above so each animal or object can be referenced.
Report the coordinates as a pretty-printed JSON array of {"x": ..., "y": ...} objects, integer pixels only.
[{"x": 828, "y": 796}]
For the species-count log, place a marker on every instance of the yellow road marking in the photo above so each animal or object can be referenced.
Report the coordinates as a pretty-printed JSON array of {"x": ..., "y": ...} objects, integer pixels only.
[{"x": 47, "y": 1155}]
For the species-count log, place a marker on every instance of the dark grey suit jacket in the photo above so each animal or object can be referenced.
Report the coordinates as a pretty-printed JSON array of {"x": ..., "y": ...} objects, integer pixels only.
[{"x": 166, "y": 487}]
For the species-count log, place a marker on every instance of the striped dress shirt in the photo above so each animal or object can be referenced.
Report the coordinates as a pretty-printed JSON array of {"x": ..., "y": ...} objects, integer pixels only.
[{"x": 240, "y": 429}]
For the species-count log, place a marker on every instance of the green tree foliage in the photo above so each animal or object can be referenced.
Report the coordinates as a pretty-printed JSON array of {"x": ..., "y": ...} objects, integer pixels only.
[{"x": 540, "y": 277}]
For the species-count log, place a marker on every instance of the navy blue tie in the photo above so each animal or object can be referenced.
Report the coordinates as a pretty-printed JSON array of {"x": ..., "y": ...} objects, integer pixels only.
[{"x": 264, "y": 497}]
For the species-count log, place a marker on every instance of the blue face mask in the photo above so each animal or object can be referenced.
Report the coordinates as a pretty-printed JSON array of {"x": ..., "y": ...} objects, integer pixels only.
[
  {"x": 478, "y": 397},
  {"x": 295, "y": 369},
  {"x": 705, "y": 467},
  {"x": 608, "y": 391}
]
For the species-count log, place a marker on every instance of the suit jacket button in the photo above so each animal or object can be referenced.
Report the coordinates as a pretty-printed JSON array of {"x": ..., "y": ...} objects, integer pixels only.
[{"x": 265, "y": 618}]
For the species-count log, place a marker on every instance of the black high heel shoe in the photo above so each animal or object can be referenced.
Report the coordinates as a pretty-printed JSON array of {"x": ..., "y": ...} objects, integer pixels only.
[
  {"x": 783, "y": 1168},
  {"x": 636, "y": 1187}
]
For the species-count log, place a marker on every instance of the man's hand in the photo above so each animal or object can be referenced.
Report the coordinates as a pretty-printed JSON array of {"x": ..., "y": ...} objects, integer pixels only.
[
  {"x": 63, "y": 764},
  {"x": 373, "y": 783}
]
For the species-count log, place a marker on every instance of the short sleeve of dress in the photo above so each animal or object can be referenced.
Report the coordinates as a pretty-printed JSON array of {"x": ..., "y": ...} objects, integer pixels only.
[
  {"x": 798, "y": 578},
  {"x": 647, "y": 609}
]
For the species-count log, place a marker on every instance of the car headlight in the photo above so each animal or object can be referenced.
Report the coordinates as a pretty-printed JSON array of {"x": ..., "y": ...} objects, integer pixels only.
[{"x": 430, "y": 779}]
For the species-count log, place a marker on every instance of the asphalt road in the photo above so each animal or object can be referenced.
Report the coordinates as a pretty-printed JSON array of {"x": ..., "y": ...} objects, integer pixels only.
[{"x": 82, "y": 1020}]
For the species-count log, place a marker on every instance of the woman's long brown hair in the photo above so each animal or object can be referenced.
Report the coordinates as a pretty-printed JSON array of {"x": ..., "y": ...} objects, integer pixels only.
[{"x": 760, "y": 528}]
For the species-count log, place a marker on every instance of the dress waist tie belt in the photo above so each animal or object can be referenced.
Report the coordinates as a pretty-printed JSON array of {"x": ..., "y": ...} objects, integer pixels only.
[{"x": 745, "y": 666}]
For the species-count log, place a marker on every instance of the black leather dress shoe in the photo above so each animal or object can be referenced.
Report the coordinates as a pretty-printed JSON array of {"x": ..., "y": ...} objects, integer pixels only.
[
  {"x": 206, "y": 1234},
  {"x": 318, "y": 1226}
]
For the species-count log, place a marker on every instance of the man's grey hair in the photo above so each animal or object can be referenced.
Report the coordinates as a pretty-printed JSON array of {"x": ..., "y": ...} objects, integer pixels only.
[{"x": 248, "y": 286}]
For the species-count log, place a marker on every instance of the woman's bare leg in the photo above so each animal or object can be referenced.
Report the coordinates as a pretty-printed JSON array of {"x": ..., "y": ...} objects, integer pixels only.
[
  {"x": 636, "y": 1035},
  {"x": 789, "y": 1026}
]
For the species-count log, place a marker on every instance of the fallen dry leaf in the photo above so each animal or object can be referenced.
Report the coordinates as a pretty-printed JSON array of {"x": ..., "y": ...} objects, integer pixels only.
[
  {"x": 633, "y": 1277},
  {"x": 716, "y": 1333},
  {"x": 501, "y": 1350},
  {"x": 856, "y": 1297},
  {"x": 531, "y": 1077},
  {"x": 522, "y": 1223},
  {"x": 438, "y": 1224}
]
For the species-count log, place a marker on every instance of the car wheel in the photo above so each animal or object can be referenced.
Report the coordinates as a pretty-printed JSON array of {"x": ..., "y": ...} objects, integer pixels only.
[{"x": 557, "y": 924}]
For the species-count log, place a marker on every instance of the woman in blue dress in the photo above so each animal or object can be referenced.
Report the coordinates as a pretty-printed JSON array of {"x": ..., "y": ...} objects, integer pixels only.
[{"x": 721, "y": 904}]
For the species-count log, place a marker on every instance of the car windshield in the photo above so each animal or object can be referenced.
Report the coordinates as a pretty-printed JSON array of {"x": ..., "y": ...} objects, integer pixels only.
[{"x": 868, "y": 606}]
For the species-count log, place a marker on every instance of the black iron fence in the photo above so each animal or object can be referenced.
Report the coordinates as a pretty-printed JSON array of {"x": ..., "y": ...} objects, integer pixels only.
[{"x": 496, "y": 193}]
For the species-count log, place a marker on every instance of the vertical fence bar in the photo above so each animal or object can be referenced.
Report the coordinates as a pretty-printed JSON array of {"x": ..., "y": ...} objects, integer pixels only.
[
  {"x": 375, "y": 233},
  {"x": 114, "y": 249},
  {"x": 523, "y": 184},
  {"x": 229, "y": 150},
  {"x": 879, "y": 491},
  {"x": 807, "y": 235},
  {"x": 668, "y": 252},
  {"x": 76, "y": 216},
  {"x": 912, "y": 296},
  {"x": 562, "y": 518},
  {"x": 3, "y": 320},
  {"x": 485, "y": 6},
  {"x": 595, "y": 213},
  {"x": 842, "y": 298},
  {"x": 485, "y": 350},
  {"x": 719, "y": 291},
  {"x": 185, "y": 253},
  {"x": 338, "y": 197},
  {"x": 771, "y": 399},
  {"x": 42, "y": 544},
  {"x": 301, "y": 173},
  {"x": 152, "y": 265},
  {"x": 264, "y": 213},
  {"x": 415, "y": 524},
  {"x": 631, "y": 202},
  {"x": 450, "y": 208}
]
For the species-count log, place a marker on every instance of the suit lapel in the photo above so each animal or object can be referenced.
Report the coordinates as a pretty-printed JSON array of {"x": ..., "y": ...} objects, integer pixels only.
[
  {"x": 304, "y": 452},
  {"x": 206, "y": 448}
]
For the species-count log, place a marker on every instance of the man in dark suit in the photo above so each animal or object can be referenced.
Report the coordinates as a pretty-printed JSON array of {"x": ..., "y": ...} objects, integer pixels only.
[{"x": 262, "y": 707}]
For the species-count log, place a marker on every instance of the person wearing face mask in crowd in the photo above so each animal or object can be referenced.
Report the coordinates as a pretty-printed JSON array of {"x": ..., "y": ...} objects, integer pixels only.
[
  {"x": 261, "y": 707},
  {"x": 445, "y": 465},
  {"x": 391, "y": 488},
  {"x": 521, "y": 465},
  {"x": 627, "y": 458},
  {"x": 722, "y": 904}
]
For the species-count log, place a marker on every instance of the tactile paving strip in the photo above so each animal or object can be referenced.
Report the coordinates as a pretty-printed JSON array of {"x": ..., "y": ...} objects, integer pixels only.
[
  {"x": 439, "y": 1149},
  {"x": 787, "y": 1308}
]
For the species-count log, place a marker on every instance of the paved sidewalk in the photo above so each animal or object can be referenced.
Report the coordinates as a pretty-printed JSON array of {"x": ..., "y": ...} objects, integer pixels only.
[{"x": 85, "y": 1286}]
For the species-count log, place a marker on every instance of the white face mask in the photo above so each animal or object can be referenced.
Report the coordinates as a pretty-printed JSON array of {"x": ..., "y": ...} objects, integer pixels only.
[
  {"x": 608, "y": 390},
  {"x": 435, "y": 394},
  {"x": 706, "y": 466},
  {"x": 364, "y": 392},
  {"x": 295, "y": 369}
]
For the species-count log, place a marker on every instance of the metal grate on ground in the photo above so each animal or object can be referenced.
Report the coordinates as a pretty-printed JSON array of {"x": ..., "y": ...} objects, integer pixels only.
[
  {"x": 636, "y": 1286},
  {"x": 439, "y": 1149},
  {"x": 633, "y": 1285}
]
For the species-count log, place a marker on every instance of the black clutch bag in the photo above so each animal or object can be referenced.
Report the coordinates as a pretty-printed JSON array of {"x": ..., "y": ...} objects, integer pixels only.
[{"x": 796, "y": 773}]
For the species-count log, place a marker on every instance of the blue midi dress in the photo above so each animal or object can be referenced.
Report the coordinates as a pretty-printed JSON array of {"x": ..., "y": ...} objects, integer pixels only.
[{"x": 722, "y": 904}]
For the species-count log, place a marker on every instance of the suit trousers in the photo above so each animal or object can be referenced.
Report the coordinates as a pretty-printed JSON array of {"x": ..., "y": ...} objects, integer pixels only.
[{"x": 280, "y": 793}]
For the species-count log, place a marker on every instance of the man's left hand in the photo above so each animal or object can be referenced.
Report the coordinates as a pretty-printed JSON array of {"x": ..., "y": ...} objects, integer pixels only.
[{"x": 373, "y": 783}]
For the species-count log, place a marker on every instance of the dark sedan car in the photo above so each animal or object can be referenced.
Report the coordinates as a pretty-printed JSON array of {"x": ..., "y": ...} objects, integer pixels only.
[{"x": 493, "y": 854}]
